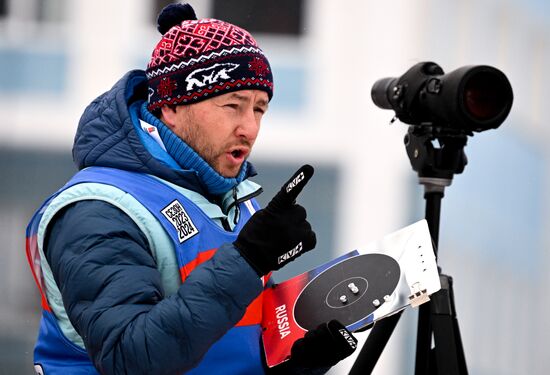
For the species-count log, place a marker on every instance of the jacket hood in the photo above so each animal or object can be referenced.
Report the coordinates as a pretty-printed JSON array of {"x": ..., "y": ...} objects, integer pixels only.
[{"x": 106, "y": 135}]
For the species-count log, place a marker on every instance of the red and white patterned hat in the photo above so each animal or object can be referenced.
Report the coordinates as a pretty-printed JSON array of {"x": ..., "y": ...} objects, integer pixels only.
[{"x": 199, "y": 59}]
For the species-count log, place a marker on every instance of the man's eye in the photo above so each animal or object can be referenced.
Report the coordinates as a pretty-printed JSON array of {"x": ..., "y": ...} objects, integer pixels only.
[{"x": 232, "y": 105}]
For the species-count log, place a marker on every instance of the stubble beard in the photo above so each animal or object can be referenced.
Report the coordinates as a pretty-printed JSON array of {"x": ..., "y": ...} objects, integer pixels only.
[{"x": 201, "y": 145}]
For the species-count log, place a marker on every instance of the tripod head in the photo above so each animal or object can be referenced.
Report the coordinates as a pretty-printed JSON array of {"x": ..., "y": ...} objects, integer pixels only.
[{"x": 436, "y": 154}]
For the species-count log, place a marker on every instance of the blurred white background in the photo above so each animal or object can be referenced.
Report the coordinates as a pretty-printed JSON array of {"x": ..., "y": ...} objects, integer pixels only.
[{"x": 58, "y": 55}]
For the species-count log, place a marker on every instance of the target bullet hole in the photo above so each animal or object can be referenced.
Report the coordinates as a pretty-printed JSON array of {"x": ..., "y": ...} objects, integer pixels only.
[{"x": 354, "y": 289}]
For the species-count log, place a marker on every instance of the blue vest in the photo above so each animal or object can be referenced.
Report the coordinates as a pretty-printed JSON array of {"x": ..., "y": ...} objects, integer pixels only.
[{"x": 195, "y": 237}]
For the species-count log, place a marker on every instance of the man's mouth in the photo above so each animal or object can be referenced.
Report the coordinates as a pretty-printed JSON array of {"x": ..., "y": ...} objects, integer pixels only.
[{"x": 239, "y": 153}]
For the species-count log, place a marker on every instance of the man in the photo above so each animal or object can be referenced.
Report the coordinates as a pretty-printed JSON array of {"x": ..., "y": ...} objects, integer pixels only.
[{"x": 152, "y": 259}]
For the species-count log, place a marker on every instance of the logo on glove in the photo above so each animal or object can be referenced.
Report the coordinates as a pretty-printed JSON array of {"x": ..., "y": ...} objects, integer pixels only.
[
  {"x": 291, "y": 254},
  {"x": 292, "y": 184},
  {"x": 345, "y": 334}
]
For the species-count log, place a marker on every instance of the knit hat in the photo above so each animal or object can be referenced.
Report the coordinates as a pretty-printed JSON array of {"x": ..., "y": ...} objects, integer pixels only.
[{"x": 199, "y": 59}]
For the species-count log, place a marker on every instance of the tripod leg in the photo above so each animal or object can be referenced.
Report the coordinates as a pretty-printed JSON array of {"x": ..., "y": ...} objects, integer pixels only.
[
  {"x": 423, "y": 339},
  {"x": 374, "y": 346},
  {"x": 449, "y": 353}
]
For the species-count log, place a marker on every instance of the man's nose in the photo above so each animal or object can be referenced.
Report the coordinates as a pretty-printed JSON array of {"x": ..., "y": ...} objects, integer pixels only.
[{"x": 248, "y": 126}]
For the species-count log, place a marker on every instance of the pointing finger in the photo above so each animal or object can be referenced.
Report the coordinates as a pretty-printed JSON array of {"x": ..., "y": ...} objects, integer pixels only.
[{"x": 292, "y": 188}]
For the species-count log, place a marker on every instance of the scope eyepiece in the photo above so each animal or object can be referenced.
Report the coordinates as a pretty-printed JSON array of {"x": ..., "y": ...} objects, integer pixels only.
[{"x": 381, "y": 91}]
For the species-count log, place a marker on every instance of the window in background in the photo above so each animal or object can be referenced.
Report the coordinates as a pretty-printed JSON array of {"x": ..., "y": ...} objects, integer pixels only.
[
  {"x": 273, "y": 17},
  {"x": 32, "y": 55},
  {"x": 282, "y": 17},
  {"x": 3, "y": 9},
  {"x": 50, "y": 10},
  {"x": 35, "y": 11}
]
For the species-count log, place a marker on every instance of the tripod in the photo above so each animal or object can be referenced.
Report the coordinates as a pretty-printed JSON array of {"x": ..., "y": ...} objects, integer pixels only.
[{"x": 437, "y": 318}]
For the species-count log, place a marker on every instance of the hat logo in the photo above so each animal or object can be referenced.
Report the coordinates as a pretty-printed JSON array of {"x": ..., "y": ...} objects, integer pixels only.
[{"x": 207, "y": 76}]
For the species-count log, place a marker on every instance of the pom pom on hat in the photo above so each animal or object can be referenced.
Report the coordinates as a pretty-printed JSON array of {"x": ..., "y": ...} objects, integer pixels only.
[{"x": 173, "y": 15}]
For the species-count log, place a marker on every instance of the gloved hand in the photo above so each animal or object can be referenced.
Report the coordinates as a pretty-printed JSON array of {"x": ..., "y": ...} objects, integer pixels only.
[
  {"x": 279, "y": 233},
  {"x": 324, "y": 346}
]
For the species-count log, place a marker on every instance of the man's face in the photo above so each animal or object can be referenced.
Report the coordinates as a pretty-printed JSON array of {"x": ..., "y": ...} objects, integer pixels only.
[{"x": 223, "y": 129}]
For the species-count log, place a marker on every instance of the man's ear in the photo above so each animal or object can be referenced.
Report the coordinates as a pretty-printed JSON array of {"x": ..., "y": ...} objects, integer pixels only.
[{"x": 168, "y": 116}]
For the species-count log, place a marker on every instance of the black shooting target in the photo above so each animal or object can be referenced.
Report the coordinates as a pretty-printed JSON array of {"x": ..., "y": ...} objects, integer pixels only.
[{"x": 347, "y": 291}]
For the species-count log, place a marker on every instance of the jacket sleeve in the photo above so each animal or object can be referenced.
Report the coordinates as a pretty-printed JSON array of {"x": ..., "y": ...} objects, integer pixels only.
[{"x": 113, "y": 294}]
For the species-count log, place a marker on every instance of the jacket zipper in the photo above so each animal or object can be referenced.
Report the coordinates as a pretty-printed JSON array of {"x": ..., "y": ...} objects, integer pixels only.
[{"x": 236, "y": 202}]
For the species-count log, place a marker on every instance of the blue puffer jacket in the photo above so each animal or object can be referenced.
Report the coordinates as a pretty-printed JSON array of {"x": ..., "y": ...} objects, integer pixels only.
[{"x": 111, "y": 288}]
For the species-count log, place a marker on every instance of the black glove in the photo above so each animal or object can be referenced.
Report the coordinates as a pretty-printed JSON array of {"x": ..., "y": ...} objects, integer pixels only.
[
  {"x": 324, "y": 346},
  {"x": 279, "y": 233}
]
